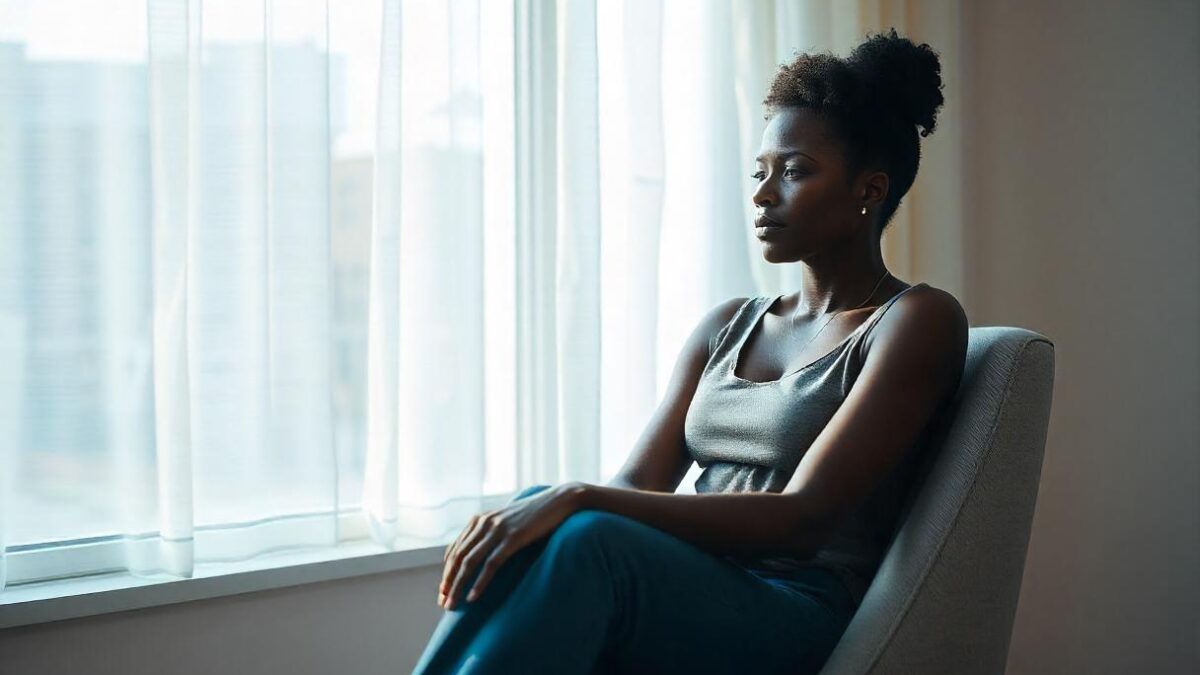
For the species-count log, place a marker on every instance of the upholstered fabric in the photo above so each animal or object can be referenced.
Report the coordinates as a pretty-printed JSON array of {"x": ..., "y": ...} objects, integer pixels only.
[{"x": 945, "y": 594}]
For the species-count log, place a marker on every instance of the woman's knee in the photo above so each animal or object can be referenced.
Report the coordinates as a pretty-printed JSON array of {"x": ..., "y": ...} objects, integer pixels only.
[
  {"x": 593, "y": 526},
  {"x": 529, "y": 491}
]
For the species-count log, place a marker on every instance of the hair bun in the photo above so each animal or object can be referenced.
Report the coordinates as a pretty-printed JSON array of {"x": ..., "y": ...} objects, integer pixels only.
[{"x": 900, "y": 79}]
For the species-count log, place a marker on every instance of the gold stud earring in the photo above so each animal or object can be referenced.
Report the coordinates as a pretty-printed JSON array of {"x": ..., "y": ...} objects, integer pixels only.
[{"x": 864, "y": 211}]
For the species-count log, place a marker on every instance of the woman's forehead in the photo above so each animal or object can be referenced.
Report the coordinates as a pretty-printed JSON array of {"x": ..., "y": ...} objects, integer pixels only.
[{"x": 796, "y": 130}]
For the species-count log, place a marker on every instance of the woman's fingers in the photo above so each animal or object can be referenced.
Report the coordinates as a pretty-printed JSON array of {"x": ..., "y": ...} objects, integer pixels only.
[
  {"x": 466, "y": 528},
  {"x": 453, "y": 550},
  {"x": 453, "y": 569},
  {"x": 473, "y": 555},
  {"x": 499, "y": 555},
  {"x": 492, "y": 538}
]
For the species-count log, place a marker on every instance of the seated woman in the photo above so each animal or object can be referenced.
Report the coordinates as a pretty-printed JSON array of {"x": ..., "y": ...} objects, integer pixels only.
[{"x": 806, "y": 412}]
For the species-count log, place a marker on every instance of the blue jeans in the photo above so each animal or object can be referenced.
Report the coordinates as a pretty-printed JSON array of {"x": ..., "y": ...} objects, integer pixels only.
[{"x": 606, "y": 593}]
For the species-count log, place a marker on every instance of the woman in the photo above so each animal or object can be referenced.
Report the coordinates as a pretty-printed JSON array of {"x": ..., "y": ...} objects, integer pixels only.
[{"x": 806, "y": 411}]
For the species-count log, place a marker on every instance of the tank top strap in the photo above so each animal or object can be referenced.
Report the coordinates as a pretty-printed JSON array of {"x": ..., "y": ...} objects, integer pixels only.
[
  {"x": 866, "y": 326},
  {"x": 747, "y": 316},
  {"x": 714, "y": 342}
]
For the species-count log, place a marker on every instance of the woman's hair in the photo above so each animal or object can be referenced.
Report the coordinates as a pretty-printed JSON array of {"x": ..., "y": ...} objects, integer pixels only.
[{"x": 875, "y": 98}]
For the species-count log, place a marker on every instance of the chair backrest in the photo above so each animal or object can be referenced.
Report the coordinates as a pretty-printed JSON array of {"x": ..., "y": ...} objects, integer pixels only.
[{"x": 945, "y": 594}]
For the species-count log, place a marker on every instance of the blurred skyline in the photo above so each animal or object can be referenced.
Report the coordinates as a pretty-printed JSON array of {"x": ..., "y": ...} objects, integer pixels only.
[{"x": 82, "y": 278}]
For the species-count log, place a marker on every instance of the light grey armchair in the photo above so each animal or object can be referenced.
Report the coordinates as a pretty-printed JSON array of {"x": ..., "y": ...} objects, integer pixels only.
[{"x": 945, "y": 594}]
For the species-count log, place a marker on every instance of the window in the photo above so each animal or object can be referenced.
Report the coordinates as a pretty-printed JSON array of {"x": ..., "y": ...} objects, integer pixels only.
[
  {"x": 288, "y": 273},
  {"x": 217, "y": 210}
]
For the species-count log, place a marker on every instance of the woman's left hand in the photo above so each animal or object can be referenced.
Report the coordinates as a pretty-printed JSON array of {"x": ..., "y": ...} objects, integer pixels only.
[{"x": 492, "y": 537}]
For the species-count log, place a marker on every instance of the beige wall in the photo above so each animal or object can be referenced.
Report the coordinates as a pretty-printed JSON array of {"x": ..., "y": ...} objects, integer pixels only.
[{"x": 1082, "y": 204}]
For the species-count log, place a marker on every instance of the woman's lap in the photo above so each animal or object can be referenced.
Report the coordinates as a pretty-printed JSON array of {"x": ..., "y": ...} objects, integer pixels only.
[
  {"x": 683, "y": 609},
  {"x": 670, "y": 606}
]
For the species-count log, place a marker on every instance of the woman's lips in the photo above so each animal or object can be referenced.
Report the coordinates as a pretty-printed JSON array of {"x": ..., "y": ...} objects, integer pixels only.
[
  {"x": 765, "y": 228},
  {"x": 763, "y": 222}
]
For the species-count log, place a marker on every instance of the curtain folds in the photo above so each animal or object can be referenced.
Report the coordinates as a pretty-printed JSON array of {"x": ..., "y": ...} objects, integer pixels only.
[
  {"x": 426, "y": 420},
  {"x": 312, "y": 270},
  {"x": 239, "y": 142}
]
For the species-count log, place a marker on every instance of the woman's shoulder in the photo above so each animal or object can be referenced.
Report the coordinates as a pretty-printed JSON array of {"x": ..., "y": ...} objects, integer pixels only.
[
  {"x": 923, "y": 313},
  {"x": 722, "y": 313},
  {"x": 929, "y": 299}
]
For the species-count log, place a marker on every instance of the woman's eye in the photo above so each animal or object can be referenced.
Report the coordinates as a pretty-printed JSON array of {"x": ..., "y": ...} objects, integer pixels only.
[
  {"x": 758, "y": 175},
  {"x": 791, "y": 172}
]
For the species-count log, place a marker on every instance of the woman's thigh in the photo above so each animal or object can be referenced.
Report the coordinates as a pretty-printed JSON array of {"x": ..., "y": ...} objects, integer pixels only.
[{"x": 682, "y": 609}]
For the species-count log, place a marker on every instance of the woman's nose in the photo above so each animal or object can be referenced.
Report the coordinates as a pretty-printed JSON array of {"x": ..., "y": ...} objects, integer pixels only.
[{"x": 763, "y": 196}]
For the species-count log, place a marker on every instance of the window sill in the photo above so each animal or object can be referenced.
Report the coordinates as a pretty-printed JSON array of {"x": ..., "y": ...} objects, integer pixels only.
[{"x": 40, "y": 602}]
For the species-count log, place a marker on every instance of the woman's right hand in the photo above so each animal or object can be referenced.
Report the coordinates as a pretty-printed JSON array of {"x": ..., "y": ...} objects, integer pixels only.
[{"x": 490, "y": 538}]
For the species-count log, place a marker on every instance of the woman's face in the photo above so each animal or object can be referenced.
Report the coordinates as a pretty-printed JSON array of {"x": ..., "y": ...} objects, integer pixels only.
[{"x": 804, "y": 205}]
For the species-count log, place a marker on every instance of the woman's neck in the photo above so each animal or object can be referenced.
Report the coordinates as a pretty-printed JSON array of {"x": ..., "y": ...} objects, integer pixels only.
[{"x": 835, "y": 282}]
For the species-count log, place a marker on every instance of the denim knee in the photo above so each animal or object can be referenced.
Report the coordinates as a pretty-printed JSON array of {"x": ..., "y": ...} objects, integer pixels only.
[
  {"x": 592, "y": 525},
  {"x": 531, "y": 490}
]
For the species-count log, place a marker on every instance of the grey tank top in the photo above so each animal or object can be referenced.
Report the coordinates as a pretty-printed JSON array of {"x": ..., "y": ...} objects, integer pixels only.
[{"x": 750, "y": 436}]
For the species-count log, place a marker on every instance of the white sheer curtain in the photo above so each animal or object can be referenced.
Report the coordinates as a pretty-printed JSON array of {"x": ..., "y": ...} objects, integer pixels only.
[
  {"x": 427, "y": 365},
  {"x": 296, "y": 271},
  {"x": 169, "y": 295},
  {"x": 240, "y": 157}
]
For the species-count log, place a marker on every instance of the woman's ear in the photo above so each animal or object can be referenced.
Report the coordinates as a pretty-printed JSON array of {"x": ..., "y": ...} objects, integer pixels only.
[{"x": 875, "y": 189}]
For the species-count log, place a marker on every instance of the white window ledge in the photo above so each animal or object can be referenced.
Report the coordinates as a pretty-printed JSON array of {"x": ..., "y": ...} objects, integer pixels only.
[{"x": 40, "y": 602}]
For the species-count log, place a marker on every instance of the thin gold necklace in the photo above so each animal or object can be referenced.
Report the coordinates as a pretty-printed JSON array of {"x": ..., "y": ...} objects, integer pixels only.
[{"x": 834, "y": 315}]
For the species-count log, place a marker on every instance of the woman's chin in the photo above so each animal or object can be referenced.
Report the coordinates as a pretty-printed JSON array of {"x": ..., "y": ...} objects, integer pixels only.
[{"x": 774, "y": 253}]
